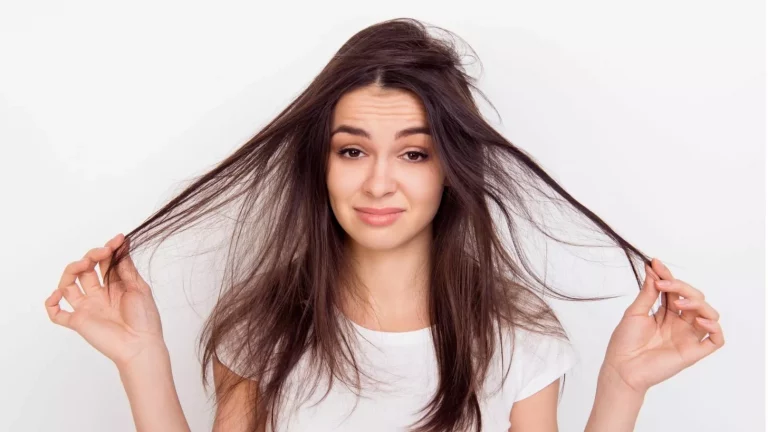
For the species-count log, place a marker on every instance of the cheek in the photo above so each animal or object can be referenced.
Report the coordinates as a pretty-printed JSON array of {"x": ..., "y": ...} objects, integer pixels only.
[
  {"x": 425, "y": 190},
  {"x": 340, "y": 185}
]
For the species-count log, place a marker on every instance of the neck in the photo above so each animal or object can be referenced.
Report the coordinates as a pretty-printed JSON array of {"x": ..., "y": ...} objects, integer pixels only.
[{"x": 394, "y": 285}]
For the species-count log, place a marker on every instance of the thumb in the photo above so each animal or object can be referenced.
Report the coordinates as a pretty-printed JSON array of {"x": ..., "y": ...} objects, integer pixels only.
[{"x": 647, "y": 296}]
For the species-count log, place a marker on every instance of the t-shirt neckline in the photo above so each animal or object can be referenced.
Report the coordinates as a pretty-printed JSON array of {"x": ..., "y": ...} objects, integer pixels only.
[{"x": 422, "y": 335}]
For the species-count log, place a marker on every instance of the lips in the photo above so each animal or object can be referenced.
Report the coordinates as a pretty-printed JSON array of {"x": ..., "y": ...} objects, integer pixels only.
[
  {"x": 379, "y": 211},
  {"x": 378, "y": 217}
]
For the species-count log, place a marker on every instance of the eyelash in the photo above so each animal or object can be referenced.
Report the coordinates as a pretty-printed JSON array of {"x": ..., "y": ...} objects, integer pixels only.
[{"x": 422, "y": 155}]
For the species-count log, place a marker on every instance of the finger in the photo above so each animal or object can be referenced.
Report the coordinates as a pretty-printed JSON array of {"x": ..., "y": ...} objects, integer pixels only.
[
  {"x": 127, "y": 271},
  {"x": 89, "y": 280},
  {"x": 699, "y": 330},
  {"x": 676, "y": 288},
  {"x": 670, "y": 303},
  {"x": 687, "y": 316},
  {"x": 711, "y": 344},
  {"x": 58, "y": 316},
  {"x": 698, "y": 307},
  {"x": 663, "y": 300},
  {"x": 681, "y": 288},
  {"x": 668, "y": 300},
  {"x": 661, "y": 269},
  {"x": 113, "y": 244},
  {"x": 666, "y": 274},
  {"x": 115, "y": 241},
  {"x": 653, "y": 274},
  {"x": 646, "y": 298},
  {"x": 665, "y": 309},
  {"x": 67, "y": 285}
]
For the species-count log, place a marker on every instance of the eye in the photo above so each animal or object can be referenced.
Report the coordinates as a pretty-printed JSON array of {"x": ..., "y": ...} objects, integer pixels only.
[
  {"x": 415, "y": 156},
  {"x": 351, "y": 153}
]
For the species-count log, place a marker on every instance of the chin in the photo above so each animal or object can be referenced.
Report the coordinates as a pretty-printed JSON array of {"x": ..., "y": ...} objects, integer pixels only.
[{"x": 378, "y": 241}]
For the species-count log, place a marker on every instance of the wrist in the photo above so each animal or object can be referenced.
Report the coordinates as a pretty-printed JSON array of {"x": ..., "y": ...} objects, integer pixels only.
[
  {"x": 152, "y": 357},
  {"x": 148, "y": 382},
  {"x": 610, "y": 380},
  {"x": 617, "y": 405}
]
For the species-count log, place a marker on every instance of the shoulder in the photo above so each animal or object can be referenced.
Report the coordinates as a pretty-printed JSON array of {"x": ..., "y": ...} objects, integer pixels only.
[
  {"x": 525, "y": 374},
  {"x": 538, "y": 359}
]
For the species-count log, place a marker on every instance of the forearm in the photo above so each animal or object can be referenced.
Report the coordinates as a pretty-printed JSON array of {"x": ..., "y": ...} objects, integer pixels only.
[
  {"x": 616, "y": 406},
  {"x": 155, "y": 405}
]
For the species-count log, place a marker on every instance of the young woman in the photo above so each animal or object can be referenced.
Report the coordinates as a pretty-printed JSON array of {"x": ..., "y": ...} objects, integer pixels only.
[{"x": 374, "y": 291}]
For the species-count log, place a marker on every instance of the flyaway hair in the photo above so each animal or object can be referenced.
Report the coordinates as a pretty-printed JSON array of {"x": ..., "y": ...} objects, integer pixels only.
[{"x": 286, "y": 270}]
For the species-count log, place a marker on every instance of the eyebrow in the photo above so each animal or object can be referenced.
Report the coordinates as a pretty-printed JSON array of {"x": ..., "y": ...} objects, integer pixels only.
[{"x": 363, "y": 133}]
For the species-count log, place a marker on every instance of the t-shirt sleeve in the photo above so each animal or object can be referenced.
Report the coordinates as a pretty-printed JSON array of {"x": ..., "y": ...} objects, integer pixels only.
[
  {"x": 226, "y": 358},
  {"x": 541, "y": 360},
  {"x": 227, "y": 349}
]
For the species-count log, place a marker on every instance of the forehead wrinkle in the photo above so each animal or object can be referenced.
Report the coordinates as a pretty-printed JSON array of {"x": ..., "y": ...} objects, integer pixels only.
[
  {"x": 386, "y": 110},
  {"x": 383, "y": 104}
]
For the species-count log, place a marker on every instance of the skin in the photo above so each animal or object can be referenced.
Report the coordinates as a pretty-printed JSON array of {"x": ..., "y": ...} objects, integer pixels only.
[
  {"x": 385, "y": 171},
  {"x": 382, "y": 171}
]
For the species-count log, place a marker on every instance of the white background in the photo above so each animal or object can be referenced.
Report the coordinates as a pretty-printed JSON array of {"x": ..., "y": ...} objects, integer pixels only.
[{"x": 652, "y": 114}]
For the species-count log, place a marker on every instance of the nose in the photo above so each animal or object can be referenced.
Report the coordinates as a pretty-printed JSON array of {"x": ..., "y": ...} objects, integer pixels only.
[{"x": 380, "y": 181}]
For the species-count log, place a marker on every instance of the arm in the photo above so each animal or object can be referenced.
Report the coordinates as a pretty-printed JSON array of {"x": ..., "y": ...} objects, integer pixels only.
[
  {"x": 121, "y": 320},
  {"x": 645, "y": 349},
  {"x": 615, "y": 409},
  {"x": 536, "y": 413},
  {"x": 649, "y": 347},
  {"x": 616, "y": 405},
  {"x": 148, "y": 382},
  {"x": 233, "y": 414},
  {"x": 155, "y": 404}
]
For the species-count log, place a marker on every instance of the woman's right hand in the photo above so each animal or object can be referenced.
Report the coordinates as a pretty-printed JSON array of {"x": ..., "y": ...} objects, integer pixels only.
[{"x": 121, "y": 324}]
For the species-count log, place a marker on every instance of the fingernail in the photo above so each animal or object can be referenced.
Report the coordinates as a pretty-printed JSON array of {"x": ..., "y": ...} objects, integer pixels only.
[
  {"x": 682, "y": 302},
  {"x": 663, "y": 283}
]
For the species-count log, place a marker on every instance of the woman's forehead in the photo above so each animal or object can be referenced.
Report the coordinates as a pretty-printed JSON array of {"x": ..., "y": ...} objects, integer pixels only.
[{"x": 379, "y": 108}]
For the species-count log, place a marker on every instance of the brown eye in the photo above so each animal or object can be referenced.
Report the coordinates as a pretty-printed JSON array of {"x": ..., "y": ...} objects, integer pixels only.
[
  {"x": 350, "y": 152},
  {"x": 414, "y": 156}
]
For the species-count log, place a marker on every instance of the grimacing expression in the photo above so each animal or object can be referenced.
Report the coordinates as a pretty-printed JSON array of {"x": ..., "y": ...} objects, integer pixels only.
[{"x": 373, "y": 164}]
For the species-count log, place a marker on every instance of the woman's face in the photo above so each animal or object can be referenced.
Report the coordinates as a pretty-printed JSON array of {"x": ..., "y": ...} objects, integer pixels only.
[{"x": 378, "y": 164}]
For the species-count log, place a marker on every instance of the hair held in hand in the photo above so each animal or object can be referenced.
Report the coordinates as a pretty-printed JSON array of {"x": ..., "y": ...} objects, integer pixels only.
[{"x": 285, "y": 261}]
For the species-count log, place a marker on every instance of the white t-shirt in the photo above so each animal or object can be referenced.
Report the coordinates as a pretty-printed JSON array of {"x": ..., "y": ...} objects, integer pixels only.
[{"x": 406, "y": 363}]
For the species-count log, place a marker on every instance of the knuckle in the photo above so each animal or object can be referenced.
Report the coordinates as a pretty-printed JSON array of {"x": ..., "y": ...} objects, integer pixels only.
[{"x": 694, "y": 292}]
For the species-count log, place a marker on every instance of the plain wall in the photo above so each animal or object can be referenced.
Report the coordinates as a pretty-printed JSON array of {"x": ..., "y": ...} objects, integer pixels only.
[{"x": 651, "y": 114}]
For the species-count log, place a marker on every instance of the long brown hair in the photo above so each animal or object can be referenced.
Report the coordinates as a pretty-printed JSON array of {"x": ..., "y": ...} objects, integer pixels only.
[{"x": 282, "y": 292}]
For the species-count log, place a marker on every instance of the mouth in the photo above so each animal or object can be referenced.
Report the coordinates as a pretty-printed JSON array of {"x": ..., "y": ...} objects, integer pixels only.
[
  {"x": 380, "y": 216},
  {"x": 379, "y": 211}
]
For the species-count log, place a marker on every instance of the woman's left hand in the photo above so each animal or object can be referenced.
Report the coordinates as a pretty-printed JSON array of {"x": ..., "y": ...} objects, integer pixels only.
[{"x": 645, "y": 350}]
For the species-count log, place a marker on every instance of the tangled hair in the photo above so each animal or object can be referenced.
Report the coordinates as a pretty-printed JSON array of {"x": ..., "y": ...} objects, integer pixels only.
[{"x": 281, "y": 295}]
